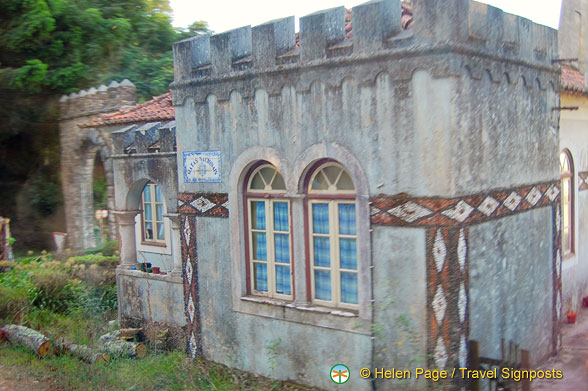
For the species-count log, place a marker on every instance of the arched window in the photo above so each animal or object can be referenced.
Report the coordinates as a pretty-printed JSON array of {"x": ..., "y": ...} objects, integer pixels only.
[
  {"x": 332, "y": 223},
  {"x": 566, "y": 165},
  {"x": 153, "y": 209},
  {"x": 268, "y": 230}
]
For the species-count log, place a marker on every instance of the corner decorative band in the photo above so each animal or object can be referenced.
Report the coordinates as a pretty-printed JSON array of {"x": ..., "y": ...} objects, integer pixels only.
[
  {"x": 204, "y": 204},
  {"x": 403, "y": 210},
  {"x": 582, "y": 177}
]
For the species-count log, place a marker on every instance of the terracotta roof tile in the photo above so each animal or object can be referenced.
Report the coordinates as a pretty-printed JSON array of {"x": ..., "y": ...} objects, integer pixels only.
[
  {"x": 573, "y": 80},
  {"x": 157, "y": 109}
]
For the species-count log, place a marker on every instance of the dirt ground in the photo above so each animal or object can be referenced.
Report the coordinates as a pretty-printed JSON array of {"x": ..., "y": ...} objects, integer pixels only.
[
  {"x": 571, "y": 359},
  {"x": 11, "y": 381}
]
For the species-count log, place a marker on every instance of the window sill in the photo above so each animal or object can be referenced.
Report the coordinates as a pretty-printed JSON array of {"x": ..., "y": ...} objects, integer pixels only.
[
  {"x": 331, "y": 318},
  {"x": 154, "y": 244},
  {"x": 149, "y": 276},
  {"x": 569, "y": 261},
  {"x": 322, "y": 310}
]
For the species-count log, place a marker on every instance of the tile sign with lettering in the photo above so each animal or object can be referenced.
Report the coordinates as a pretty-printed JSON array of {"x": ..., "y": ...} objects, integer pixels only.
[{"x": 202, "y": 166}]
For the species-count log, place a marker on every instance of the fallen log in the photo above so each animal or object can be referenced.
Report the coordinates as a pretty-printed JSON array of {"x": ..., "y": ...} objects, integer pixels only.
[
  {"x": 83, "y": 352},
  {"x": 112, "y": 336},
  {"x": 20, "y": 335},
  {"x": 120, "y": 348},
  {"x": 112, "y": 344}
]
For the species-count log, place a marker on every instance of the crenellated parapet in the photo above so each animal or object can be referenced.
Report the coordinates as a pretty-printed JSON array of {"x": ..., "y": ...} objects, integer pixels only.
[
  {"x": 97, "y": 100},
  {"x": 153, "y": 137},
  {"x": 465, "y": 27}
]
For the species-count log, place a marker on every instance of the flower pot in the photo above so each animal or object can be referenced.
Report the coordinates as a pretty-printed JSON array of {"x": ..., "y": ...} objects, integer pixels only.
[
  {"x": 585, "y": 301},
  {"x": 571, "y": 316},
  {"x": 149, "y": 270},
  {"x": 155, "y": 270},
  {"x": 142, "y": 267}
]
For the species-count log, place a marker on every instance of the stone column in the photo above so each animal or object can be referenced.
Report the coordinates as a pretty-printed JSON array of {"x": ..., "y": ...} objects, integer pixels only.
[
  {"x": 126, "y": 237},
  {"x": 174, "y": 218}
]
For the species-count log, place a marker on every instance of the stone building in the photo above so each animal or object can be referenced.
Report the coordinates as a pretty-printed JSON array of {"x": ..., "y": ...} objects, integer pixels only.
[
  {"x": 395, "y": 177},
  {"x": 374, "y": 196},
  {"x": 573, "y": 145}
]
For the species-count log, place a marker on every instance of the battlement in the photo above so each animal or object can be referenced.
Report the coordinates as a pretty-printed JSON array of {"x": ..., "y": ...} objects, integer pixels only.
[
  {"x": 153, "y": 137},
  {"x": 376, "y": 27},
  {"x": 96, "y": 100}
]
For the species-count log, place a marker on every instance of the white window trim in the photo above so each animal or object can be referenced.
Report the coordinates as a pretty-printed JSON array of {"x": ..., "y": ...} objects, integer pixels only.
[
  {"x": 270, "y": 248},
  {"x": 158, "y": 247},
  {"x": 300, "y": 310},
  {"x": 335, "y": 256}
]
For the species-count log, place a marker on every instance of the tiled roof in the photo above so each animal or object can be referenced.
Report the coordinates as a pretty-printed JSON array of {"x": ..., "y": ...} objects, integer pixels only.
[
  {"x": 157, "y": 109},
  {"x": 573, "y": 81}
]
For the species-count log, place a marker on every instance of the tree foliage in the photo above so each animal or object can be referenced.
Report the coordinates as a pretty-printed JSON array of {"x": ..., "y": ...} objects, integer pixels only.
[
  {"x": 59, "y": 46},
  {"x": 54, "y": 47}
]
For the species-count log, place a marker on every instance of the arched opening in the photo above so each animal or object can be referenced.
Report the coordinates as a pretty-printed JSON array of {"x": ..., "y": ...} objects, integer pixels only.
[
  {"x": 566, "y": 165},
  {"x": 101, "y": 229},
  {"x": 332, "y": 235}
]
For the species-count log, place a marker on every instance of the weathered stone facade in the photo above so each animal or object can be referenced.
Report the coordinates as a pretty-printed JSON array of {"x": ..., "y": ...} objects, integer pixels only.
[
  {"x": 445, "y": 132},
  {"x": 573, "y": 137},
  {"x": 79, "y": 147},
  {"x": 145, "y": 154}
]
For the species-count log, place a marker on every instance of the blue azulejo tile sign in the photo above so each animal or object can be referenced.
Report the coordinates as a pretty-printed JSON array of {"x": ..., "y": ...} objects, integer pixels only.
[{"x": 202, "y": 166}]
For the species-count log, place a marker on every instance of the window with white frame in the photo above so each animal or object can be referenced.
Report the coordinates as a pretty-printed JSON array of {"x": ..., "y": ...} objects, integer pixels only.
[
  {"x": 152, "y": 214},
  {"x": 567, "y": 202},
  {"x": 268, "y": 234},
  {"x": 332, "y": 223}
]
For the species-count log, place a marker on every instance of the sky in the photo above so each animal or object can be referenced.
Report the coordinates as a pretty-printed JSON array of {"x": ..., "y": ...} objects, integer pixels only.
[{"x": 223, "y": 15}]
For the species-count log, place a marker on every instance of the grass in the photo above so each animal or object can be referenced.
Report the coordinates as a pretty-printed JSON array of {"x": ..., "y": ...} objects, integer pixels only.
[
  {"x": 171, "y": 371},
  {"x": 75, "y": 297}
]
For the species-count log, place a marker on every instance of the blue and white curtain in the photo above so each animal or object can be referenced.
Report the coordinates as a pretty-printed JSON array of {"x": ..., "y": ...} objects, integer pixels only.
[{"x": 282, "y": 247}]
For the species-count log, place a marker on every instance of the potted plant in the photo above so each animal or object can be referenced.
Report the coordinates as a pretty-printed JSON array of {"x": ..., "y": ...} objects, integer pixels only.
[{"x": 571, "y": 316}]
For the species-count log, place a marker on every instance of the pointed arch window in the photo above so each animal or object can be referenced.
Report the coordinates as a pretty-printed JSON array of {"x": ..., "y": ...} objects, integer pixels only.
[
  {"x": 268, "y": 234},
  {"x": 332, "y": 222},
  {"x": 567, "y": 201}
]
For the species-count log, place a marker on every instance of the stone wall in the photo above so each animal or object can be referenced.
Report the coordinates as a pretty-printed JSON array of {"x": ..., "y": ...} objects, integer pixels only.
[
  {"x": 79, "y": 147},
  {"x": 445, "y": 131},
  {"x": 573, "y": 137}
]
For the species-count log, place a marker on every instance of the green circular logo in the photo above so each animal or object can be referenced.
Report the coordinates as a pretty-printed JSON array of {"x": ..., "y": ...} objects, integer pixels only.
[{"x": 340, "y": 374}]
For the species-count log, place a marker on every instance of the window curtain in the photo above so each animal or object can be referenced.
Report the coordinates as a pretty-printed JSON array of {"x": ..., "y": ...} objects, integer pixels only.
[
  {"x": 321, "y": 251},
  {"x": 283, "y": 280},
  {"x": 260, "y": 276},
  {"x": 259, "y": 240},
  {"x": 349, "y": 288}
]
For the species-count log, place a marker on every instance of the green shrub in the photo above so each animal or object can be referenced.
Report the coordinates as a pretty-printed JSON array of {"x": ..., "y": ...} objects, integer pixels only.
[
  {"x": 13, "y": 300},
  {"x": 109, "y": 248},
  {"x": 53, "y": 290}
]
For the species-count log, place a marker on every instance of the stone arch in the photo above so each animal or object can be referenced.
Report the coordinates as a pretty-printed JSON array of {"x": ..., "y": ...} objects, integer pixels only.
[
  {"x": 92, "y": 148},
  {"x": 238, "y": 173},
  {"x": 303, "y": 164}
]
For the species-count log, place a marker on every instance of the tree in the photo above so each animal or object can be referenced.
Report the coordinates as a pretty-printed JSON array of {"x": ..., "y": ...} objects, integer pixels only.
[{"x": 54, "y": 47}]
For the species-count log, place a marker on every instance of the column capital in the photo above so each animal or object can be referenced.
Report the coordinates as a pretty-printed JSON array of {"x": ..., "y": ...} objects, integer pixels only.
[{"x": 125, "y": 217}]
